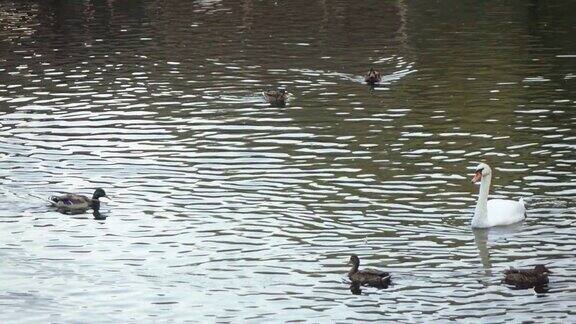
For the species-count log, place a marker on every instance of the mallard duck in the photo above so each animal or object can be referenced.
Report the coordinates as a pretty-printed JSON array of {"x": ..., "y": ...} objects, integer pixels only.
[
  {"x": 372, "y": 76},
  {"x": 74, "y": 203},
  {"x": 527, "y": 278},
  {"x": 370, "y": 277},
  {"x": 275, "y": 96}
]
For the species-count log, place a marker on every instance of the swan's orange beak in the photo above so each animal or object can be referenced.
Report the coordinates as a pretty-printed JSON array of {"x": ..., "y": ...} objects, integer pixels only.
[{"x": 477, "y": 176}]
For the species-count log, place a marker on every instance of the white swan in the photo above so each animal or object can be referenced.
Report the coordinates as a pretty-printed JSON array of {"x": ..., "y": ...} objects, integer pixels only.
[{"x": 494, "y": 212}]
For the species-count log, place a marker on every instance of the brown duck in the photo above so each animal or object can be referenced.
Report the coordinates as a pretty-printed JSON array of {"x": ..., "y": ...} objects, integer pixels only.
[
  {"x": 277, "y": 97},
  {"x": 369, "y": 277},
  {"x": 372, "y": 77},
  {"x": 527, "y": 278}
]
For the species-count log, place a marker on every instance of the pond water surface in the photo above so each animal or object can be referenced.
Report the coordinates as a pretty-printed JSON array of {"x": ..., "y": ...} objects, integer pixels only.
[{"x": 227, "y": 209}]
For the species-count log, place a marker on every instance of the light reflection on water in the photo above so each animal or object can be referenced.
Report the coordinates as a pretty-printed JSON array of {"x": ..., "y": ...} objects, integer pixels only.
[{"x": 225, "y": 208}]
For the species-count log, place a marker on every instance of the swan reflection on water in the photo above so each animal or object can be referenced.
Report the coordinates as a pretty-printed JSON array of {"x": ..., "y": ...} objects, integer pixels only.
[{"x": 484, "y": 236}]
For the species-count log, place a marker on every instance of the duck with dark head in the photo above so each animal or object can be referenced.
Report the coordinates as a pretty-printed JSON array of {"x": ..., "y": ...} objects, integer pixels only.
[
  {"x": 276, "y": 97},
  {"x": 372, "y": 77},
  {"x": 369, "y": 277}
]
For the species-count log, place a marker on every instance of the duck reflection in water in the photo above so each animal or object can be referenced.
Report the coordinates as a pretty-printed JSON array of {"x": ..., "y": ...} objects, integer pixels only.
[
  {"x": 355, "y": 289},
  {"x": 98, "y": 216}
]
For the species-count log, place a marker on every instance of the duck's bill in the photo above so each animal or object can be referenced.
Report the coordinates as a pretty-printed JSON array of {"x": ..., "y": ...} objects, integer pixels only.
[
  {"x": 477, "y": 177},
  {"x": 107, "y": 197}
]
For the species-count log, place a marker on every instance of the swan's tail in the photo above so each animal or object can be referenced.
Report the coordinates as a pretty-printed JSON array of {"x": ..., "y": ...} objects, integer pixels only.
[{"x": 521, "y": 201}]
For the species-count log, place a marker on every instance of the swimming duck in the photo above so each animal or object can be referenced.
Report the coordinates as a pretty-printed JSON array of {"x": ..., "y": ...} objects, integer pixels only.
[
  {"x": 74, "y": 203},
  {"x": 494, "y": 212},
  {"x": 527, "y": 278},
  {"x": 370, "y": 277},
  {"x": 275, "y": 96},
  {"x": 372, "y": 77}
]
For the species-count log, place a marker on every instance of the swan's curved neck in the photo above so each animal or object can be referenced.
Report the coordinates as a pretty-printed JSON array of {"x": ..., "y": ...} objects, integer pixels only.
[{"x": 481, "y": 211}]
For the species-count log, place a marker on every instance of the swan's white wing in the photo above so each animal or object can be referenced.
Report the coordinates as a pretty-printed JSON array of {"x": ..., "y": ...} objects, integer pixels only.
[{"x": 505, "y": 212}]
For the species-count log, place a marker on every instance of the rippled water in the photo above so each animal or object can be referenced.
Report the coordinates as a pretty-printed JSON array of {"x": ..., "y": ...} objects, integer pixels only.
[{"x": 227, "y": 209}]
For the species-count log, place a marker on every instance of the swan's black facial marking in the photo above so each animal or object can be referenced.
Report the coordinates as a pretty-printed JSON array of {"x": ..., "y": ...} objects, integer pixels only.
[{"x": 477, "y": 175}]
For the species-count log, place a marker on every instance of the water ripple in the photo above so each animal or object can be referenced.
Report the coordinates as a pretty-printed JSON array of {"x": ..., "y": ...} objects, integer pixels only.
[{"x": 225, "y": 208}]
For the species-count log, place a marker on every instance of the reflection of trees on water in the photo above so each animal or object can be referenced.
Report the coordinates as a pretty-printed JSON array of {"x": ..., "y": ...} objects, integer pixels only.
[
  {"x": 334, "y": 22},
  {"x": 351, "y": 34}
]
